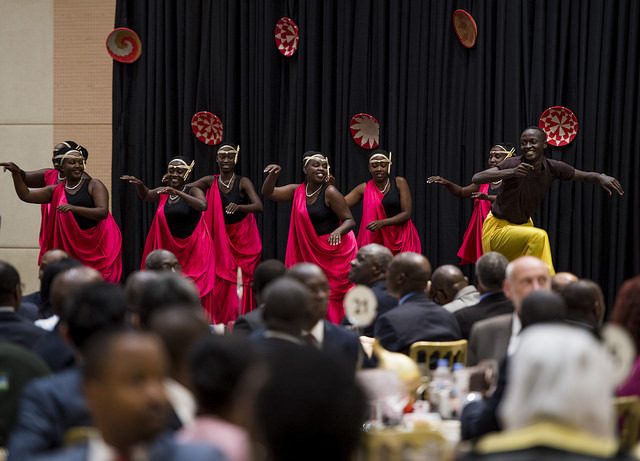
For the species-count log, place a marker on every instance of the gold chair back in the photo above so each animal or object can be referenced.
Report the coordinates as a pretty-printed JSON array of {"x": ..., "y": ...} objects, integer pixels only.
[
  {"x": 628, "y": 413},
  {"x": 393, "y": 445},
  {"x": 454, "y": 351},
  {"x": 78, "y": 434}
]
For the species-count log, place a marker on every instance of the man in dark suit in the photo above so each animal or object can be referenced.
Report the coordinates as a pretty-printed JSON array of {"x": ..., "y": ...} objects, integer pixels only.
[
  {"x": 490, "y": 273},
  {"x": 370, "y": 268},
  {"x": 14, "y": 328},
  {"x": 266, "y": 272},
  {"x": 50, "y": 407},
  {"x": 495, "y": 337},
  {"x": 416, "y": 318},
  {"x": 332, "y": 339},
  {"x": 123, "y": 384}
]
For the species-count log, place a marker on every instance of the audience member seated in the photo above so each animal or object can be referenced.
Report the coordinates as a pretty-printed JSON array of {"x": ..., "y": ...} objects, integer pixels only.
[
  {"x": 48, "y": 318},
  {"x": 18, "y": 366},
  {"x": 304, "y": 405},
  {"x": 216, "y": 365},
  {"x": 161, "y": 260},
  {"x": 370, "y": 269},
  {"x": 557, "y": 405},
  {"x": 495, "y": 337},
  {"x": 13, "y": 328},
  {"x": 54, "y": 347},
  {"x": 560, "y": 280},
  {"x": 626, "y": 312},
  {"x": 451, "y": 289},
  {"x": 480, "y": 417},
  {"x": 179, "y": 327},
  {"x": 123, "y": 384},
  {"x": 166, "y": 290},
  {"x": 50, "y": 407},
  {"x": 416, "y": 318},
  {"x": 287, "y": 309},
  {"x": 133, "y": 288},
  {"x": 334, "y": 340},
  {"x": 585, "y": 304},
  {"x": 489, "y": 278},
  {"x": 266, "y": 272},
  {"x": 48, "y": 257}
]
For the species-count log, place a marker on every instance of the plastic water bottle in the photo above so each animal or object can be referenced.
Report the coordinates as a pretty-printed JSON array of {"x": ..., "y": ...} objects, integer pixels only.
[
  {"x": 440, "y": 389},
  {"x": 460, "y": 387}
]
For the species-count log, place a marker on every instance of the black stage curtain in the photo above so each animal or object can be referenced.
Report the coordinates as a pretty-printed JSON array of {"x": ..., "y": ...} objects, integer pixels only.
[{"x": 440, "y": 107}]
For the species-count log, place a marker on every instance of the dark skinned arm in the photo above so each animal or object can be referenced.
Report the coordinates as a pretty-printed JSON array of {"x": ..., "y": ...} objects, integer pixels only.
[
  {"x": 608, "y": 183},
  {"x": 100, "y": 196},
  {"x": 453, "y": 188},
  {"x": 405, "y": 206},
  {"x": 269, "y": 189},
  {"x": 335, "y": 200},
  {"x": 356, "y": 195},
  {"x": 42, "y": 195},
  {"x": 254, "y": 205},
  {"x": 203, "y": 183}
]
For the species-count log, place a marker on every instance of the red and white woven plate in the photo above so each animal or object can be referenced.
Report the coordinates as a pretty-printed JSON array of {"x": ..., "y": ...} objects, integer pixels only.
[
  {"x": 560, "y": 125},
  {"x": 207, "y": 127},
  {"x": 286, "y": 36},
  {"x": 365, "y": 130},
  {"x": 465, "y": 28},
  {"x": 124, "y": 45}
]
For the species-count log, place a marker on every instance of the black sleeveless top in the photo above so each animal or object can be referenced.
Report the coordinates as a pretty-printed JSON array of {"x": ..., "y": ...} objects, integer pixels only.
[
  {"x": 82, "y": 198},
  {"x": 233, "y": 196},
  {"x": 391, "y": 200},
  {"x": 322, "y": 217},
  {"x": 181, "y": 218}
]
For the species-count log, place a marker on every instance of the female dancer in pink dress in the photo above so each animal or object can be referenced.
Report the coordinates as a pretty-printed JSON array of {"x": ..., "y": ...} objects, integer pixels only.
[
  {"x": 49, "y": 177},
  {"x": 232, "y": 201},
  {"x": 386, "y": 208},
  {"x": 88, "y": 233},
  {"x": 320, "y": 227},
  {"x": 471, "y": 248},
  {"x": 179, "y": 227}
]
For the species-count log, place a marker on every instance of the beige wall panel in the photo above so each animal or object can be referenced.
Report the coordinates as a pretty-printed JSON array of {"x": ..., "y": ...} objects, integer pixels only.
[
  {"x": 97, "y": 140},
  {"x": 82, "y": 83},
  {"x": 26, "y": 263},
  {"x": 30, "y": 147},
  {"x": 26, "y": 54}
]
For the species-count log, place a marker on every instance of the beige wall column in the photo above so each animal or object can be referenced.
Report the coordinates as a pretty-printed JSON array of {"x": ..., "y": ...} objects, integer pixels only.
[{"x": 55, "y": 85}]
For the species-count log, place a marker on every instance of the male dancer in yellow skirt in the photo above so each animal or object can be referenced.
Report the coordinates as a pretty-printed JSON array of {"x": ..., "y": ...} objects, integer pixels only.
[{"x": 526, "y": 179}]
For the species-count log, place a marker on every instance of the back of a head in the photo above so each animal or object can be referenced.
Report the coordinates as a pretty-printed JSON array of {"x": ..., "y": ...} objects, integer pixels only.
[
  {"x": 179, "y": 327},
  {"x": 266, "y": 272},
  {"x": 378, "y": 254},
  {"x": 216, "y": 365},
  {"x": 167, "y": 289},
  {"x": 162, "y": 260},
  {"x": 286, "y": 305},
  {"x": 626, "y": 310},
  {"x": 446, "y": 281},
  {"x": 559, "y": 280},
  {"x": 416, "y": 268},
  {"x": 585, "y": 302},
  {"x": 309, "y": 407},
  {"x": 69, "y": 281},
  {"x": 9, "y": 284},
  {"x": 559, "y": 373},
  {"x": 49, "y": 274},
  {"x": 92, "y": 309},
  {"x": 490, "y": 271},
  {"x": 542, "y": 307}
]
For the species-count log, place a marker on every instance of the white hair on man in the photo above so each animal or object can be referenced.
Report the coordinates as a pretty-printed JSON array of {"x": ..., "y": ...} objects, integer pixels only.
[{"x": 561, "y": 374}]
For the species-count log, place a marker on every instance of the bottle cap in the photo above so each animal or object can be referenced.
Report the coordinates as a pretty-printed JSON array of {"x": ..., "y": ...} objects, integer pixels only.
[
  {"x": 443, "y": 363},
  {"x": 457, "y": 366}
]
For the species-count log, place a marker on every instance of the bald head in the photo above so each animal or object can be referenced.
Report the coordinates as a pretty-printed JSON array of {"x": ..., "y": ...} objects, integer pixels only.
[
  {"x": 561, "y": 280},
  {"x": 446, "y": 281},
  {"x": 136, "y": 283},
  {"x": 68, "y": 282},
  {"x": 287, "y": 304},
  {"x": 162, "y": 261},
  {"x": 585, "y": 302},
  {"x": 50, "y": 256},
  {"x": 524, "y": 275},
  {"x": 408, "y": 272},
  {"x": 370, "y": 265}
]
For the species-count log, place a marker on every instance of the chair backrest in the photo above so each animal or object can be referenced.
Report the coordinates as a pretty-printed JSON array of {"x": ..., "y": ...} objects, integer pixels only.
[
  {"x": 394, "y": 445},
  {"x": 454, "y": 351},
  {"x": 628, "y": 413}
]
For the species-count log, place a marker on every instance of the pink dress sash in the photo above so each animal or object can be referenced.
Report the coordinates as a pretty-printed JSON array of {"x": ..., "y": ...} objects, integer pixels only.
[
  {"x": 471, "y": 248},
  {"x": 304, "y": 245},
  {"x": 194, "y": 253},
  {"x": 46, "y": 211},
  {"x": 99, "y": 247},
  {"x": 236, "y": 245},
  {"x": 397, "y": 238}
]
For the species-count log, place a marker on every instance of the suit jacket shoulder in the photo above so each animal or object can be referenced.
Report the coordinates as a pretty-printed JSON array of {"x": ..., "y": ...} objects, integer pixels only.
[
  {"x": 489, "y": 338},
  {"x": 491, "y": 305},
  {"x": 343, "y": 343}
]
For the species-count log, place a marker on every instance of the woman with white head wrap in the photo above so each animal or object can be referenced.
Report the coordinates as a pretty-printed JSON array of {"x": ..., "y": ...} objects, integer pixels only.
[{"x": 558, "y": 401}]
